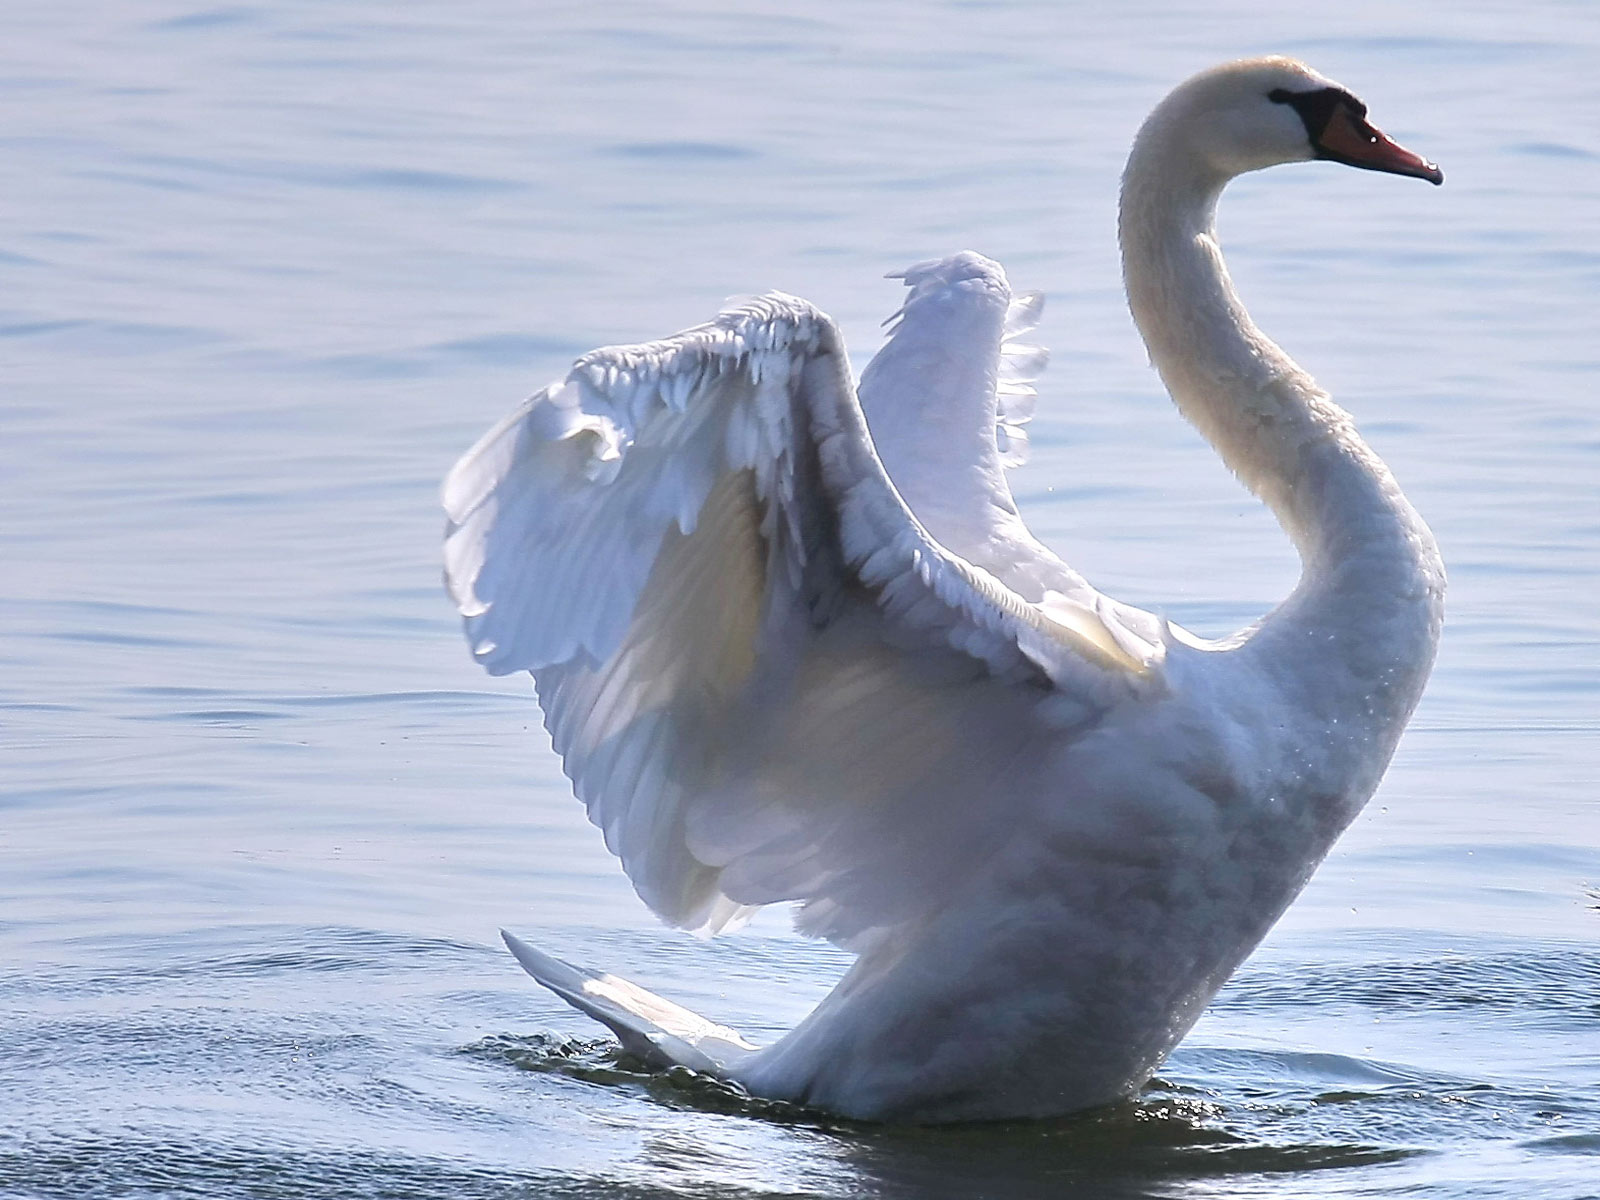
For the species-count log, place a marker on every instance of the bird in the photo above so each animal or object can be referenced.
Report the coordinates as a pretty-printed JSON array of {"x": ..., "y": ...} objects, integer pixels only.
[{"x": 794, "y": 643}]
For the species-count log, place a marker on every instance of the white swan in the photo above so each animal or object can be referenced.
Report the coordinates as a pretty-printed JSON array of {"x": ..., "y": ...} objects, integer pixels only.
[{"x": 784, "y": 659}]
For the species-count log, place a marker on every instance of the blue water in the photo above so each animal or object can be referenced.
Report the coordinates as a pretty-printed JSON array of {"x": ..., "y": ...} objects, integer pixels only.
[{"x": 268, "y": 269}]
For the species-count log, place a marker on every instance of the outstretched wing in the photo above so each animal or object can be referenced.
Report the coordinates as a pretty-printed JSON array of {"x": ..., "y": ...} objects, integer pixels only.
[
  {"x": 765, "y": 679},
  {"x": 957, "y": 342},
  {"x": 948, "y": 399}
]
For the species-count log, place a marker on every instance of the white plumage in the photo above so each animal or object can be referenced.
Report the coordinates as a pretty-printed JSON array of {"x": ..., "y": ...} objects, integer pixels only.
[{"x": 784, "y": 658}]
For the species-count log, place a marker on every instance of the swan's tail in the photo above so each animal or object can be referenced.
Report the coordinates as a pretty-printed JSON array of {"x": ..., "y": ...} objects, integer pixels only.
[{"x": 662, "y": 1033}]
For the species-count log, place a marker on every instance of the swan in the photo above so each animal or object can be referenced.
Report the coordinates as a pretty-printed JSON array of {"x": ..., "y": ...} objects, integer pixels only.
[{"x": 793, "y": 642}]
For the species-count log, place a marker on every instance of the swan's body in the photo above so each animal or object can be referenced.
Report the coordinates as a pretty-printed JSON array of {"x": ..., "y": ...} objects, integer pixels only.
[{"x": 1050, "y": 825}]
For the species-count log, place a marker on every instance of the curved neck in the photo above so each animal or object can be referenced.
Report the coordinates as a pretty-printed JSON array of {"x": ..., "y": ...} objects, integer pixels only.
[
  {"x": 1274, "y": 428},
  {"x": 1372, "y": 583}
]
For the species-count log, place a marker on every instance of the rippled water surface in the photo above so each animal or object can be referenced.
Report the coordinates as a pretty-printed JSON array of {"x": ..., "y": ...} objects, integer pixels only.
[{"x": 268, "y": 269}]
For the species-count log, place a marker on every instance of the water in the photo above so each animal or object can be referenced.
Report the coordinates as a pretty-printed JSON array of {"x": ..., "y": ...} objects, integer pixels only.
[{"x": 269, "y": 269}]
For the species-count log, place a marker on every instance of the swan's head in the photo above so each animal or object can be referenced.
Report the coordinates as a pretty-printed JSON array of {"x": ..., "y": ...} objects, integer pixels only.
[{"x": 1260, "y": 112}]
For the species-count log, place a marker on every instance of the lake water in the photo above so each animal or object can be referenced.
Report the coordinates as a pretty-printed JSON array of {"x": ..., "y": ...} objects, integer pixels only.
[{"x": 269, "y": 268}]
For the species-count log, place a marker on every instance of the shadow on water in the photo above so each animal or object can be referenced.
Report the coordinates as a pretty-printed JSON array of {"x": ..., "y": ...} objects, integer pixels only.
[{"x": 1153, "y": 1146}]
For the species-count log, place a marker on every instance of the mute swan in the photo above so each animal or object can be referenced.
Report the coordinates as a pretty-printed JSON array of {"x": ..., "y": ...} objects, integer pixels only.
[{"x": 786, "y": 659}]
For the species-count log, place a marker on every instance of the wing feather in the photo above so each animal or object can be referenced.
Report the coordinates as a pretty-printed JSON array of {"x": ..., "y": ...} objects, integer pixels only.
[{"x": 765, "y": 679}]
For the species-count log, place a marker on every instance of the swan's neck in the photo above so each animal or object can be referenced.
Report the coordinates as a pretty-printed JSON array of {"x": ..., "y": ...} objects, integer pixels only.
[
  {"x": 1266, "y": 417},
  {"x": 1367, "y": 556}
]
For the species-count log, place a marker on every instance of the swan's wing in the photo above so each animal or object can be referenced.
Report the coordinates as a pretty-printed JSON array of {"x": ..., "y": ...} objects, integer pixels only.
[
  {"x": 766, "y": 681},
  {"x": 948, "y": 399},
  {"x": 960, "y": 338}
]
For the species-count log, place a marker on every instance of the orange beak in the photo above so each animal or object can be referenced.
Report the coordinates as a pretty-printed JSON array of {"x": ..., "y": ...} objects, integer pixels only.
[{"x": 1348, "y": 138}]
